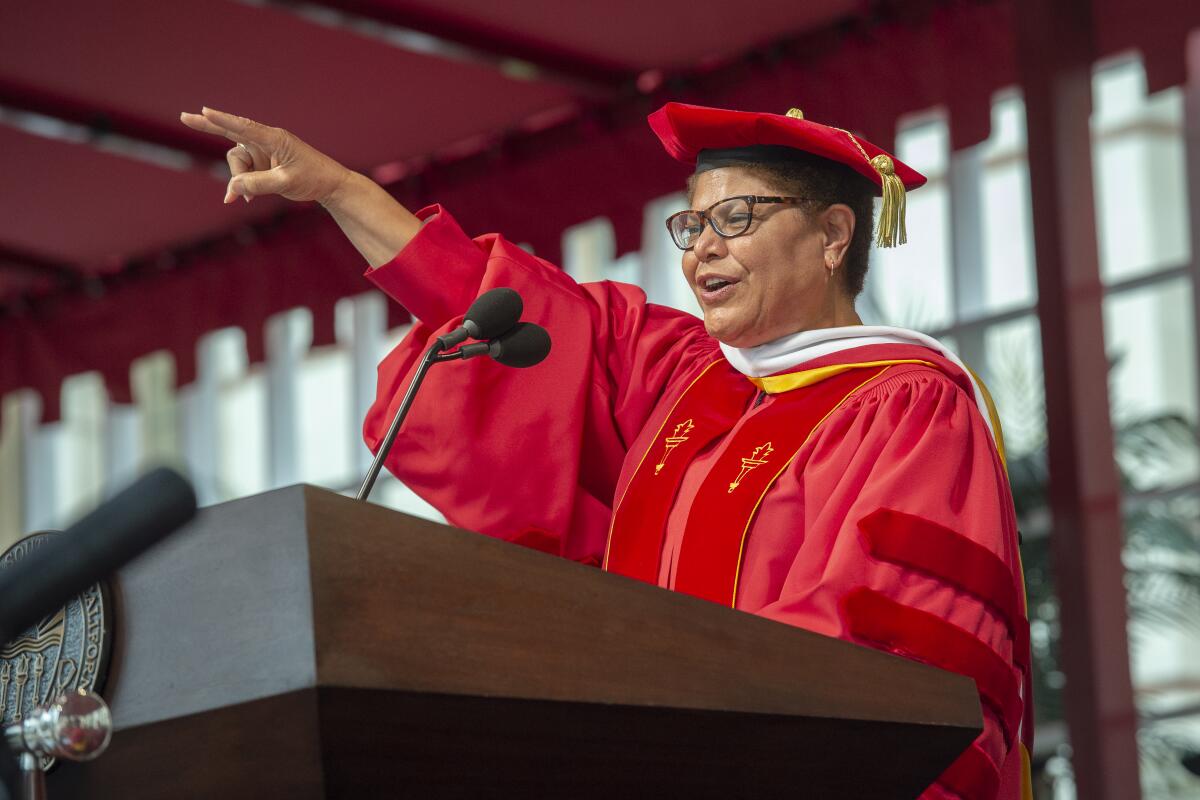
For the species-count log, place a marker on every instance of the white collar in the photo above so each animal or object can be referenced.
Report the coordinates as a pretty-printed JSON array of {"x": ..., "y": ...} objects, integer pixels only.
[{"x": 795, "y": 349}]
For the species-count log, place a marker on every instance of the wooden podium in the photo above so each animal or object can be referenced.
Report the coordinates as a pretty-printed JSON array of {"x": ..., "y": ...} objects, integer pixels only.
[{"x": 299, "y": 644}]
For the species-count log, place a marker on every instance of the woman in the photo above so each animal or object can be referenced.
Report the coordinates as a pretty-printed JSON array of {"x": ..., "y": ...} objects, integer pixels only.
[{"x": 778, "y": 457}]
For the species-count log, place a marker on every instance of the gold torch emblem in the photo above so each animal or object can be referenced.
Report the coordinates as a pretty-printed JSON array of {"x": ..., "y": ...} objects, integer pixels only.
[
  {"x": 680, "y": 436},
  {"x": 756, "y": 459}
]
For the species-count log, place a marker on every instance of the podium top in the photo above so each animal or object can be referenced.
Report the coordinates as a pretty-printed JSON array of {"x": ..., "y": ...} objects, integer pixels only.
[{"x": 303, "y": 589}]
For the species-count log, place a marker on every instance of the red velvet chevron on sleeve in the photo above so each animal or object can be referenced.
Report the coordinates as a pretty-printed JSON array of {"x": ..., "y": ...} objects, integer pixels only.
[
  {"x": 928, "y": 638},
  {"x": 917, "y": 543}
]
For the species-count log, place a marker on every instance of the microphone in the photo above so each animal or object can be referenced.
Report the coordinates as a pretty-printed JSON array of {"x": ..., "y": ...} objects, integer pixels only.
[
  {"x": 492, "y": 314},
  {"x": 115, "y": 533},
  {"x": 95, "y": 546},
  {"x": 525, "y": 345}
]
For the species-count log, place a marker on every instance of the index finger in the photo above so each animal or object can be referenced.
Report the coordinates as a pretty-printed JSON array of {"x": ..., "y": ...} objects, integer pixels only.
[
  {"x": 198, "y": 123},
  {"x": 242, "y": 129}
]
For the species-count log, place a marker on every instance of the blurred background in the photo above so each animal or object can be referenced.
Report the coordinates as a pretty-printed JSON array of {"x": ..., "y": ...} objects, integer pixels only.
[{"x": 142, "y": 321}]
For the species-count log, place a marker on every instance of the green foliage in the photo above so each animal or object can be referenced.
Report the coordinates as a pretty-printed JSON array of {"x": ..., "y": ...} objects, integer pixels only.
[
  {"x": 1162, "y": 575},
  {"x": 1161, "y": 553}
]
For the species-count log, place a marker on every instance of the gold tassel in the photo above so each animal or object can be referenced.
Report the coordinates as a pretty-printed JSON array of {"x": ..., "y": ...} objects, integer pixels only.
[{"x": 892, "y": 231}]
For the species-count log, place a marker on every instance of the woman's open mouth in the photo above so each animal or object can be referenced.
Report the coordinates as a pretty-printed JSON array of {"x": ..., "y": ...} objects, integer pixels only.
[{"x": 715, "y": 288}]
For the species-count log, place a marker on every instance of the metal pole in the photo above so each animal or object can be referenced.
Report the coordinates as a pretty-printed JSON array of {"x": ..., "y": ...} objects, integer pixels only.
[{"x": 433, "y": 356}]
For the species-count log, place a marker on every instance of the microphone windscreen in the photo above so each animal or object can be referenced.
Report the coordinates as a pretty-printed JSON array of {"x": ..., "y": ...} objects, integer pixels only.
[
  {"x": 525, "y": 345},
  {"x": 494, "y": 313},
  {"x": 100, "y": 543}
]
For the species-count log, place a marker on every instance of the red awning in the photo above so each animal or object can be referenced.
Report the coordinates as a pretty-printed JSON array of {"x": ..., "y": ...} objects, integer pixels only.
[{"x": 521, "y": 117}]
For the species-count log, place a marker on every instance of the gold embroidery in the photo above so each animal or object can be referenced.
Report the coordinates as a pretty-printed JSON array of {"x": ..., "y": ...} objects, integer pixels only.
[
  {"x": 756, "y": 459},
  {"x": 681, "y": 435},
  {"x": 854, "y": 141}
]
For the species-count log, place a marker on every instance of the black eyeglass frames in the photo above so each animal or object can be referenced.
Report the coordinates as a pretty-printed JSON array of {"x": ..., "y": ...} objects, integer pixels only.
[{"x": 729, "y": 217}]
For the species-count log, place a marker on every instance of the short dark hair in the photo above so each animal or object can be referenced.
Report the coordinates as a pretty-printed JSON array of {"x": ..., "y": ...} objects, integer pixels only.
[{"x": 824, "y": 183}]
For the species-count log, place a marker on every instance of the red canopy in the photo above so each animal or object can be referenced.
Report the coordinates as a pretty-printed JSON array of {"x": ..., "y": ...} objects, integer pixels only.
[{"x": 525, "y": 118}]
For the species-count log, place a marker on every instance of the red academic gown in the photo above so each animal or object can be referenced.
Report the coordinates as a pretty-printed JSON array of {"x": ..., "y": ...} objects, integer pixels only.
[{"x": 890, "y": 524}]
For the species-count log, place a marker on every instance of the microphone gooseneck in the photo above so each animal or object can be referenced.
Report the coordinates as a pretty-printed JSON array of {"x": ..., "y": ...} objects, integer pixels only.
[
  {"x": 493, "y": 317},
  {"x": 431, "y": 358}
]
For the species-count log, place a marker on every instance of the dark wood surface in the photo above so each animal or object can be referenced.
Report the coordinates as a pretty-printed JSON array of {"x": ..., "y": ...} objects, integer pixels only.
[
  {"x": 366, "y": 743},
  {"x": 267, "y": 748},
  {"x": 435, "y": 609},
  {"x": 301, "y": 644},
  {"x": 220, "y": 613}
]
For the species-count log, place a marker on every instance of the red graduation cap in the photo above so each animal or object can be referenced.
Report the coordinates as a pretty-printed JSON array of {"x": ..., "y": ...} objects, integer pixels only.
[{"x": 686, "y": 130}]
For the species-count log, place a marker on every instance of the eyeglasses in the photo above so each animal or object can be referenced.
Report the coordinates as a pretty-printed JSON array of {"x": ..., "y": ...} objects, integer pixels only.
[{"x": 729, "y": 217}]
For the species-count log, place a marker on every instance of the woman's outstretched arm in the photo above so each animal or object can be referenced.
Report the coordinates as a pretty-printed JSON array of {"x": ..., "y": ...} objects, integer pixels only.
[{"x": 267, "y": 160}]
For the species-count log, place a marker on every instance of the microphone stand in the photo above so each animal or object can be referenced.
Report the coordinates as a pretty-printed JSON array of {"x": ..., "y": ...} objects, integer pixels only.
[
  {"x": 10, "y": 774},
  {"x": 433, "y": 355}
]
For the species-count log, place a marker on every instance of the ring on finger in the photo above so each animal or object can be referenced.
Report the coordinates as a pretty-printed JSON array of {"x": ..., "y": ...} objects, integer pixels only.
[{"x": 247, "y": 149}]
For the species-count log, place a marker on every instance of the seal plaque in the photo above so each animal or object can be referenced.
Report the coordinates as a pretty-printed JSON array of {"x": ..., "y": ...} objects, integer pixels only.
[{"x": 66, "y": 650}]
